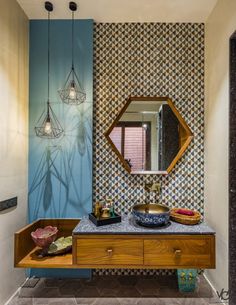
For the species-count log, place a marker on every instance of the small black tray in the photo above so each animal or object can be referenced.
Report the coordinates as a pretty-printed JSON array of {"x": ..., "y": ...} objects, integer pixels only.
[{"x": 104, "y": 221}]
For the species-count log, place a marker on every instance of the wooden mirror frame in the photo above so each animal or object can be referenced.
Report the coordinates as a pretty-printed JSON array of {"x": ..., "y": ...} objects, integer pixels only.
[{"x": 180, "y": 153}]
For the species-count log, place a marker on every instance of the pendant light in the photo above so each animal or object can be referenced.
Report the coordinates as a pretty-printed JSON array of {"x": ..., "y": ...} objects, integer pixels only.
[
  {"x": 72, "y": 92},
  {"x": 48, "y": 125}
]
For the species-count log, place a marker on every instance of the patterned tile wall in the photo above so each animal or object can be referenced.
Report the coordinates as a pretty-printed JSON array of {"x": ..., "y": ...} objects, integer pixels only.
[{"x": 149, "y": 59}]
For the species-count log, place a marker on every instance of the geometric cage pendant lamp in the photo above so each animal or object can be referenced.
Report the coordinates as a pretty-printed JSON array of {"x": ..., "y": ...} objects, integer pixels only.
[
  {"x": 72, "y": 92},
  {"x": 48, "y": 126}
]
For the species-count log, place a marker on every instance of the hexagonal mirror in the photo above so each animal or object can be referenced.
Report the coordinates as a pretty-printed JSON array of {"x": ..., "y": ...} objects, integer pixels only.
[{"x": 149, "y": 135}]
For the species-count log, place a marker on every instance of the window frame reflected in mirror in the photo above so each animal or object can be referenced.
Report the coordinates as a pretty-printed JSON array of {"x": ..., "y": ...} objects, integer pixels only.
[
  {"x": 126, "y": 127},
  {"x": 186, "y": 141}
]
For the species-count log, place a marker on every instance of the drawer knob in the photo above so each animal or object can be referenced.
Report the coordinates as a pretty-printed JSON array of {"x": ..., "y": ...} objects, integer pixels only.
[
  {"x": 109, "y": 252},
  {"x": 177, "y": 253}
]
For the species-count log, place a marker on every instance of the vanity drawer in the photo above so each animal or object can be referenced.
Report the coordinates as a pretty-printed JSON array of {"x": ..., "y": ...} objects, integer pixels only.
[
  {"x": 107, "y": 251},
  {"x": 180, "y": 251}
]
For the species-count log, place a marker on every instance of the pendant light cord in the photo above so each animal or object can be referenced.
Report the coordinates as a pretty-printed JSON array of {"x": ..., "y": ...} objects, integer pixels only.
[
  {"x": 48, "y": 62},
  {"x": 72, "y": 40}
]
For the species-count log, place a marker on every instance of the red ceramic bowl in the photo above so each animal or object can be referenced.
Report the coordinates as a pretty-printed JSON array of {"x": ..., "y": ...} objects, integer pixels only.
[{"x": 43, "y": 237}]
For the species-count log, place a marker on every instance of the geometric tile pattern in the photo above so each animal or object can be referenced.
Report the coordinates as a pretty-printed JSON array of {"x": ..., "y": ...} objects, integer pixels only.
[{"x": 149, "y": 59}]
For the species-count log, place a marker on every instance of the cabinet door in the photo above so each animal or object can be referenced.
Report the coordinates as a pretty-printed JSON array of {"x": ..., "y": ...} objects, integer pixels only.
[
  {"x": 108, "y": 251},
  {"x": 180, "y": 251}
]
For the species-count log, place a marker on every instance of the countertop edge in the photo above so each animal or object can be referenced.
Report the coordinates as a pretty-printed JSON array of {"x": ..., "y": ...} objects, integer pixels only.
[{"x": 142, "y": 233}]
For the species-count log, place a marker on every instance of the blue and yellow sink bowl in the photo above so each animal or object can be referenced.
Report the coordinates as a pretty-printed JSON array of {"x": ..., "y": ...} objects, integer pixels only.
[{"x": 151, "y": 214}]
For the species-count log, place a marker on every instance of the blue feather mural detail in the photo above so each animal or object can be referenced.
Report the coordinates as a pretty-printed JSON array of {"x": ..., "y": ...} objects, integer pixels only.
[{"x": 60, "y": 170}]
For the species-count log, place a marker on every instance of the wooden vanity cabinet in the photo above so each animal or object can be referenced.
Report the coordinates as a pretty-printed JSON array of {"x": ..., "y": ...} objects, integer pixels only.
[
  {"x": 130, "y": 251},
  {"x": 144, "y": 251}
]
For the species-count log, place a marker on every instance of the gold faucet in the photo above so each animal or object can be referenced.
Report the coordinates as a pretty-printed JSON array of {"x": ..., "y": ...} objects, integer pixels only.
[{"x": 152, "y": 187}]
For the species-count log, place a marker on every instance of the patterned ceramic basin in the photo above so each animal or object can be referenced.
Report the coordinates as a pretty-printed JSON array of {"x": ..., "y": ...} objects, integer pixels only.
[
  {"x": 151, "y": 215},
  {"x": 43, "y": 237}
]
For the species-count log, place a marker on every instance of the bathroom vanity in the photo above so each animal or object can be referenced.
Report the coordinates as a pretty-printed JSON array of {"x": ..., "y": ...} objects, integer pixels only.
[{"x": 122, "y": 245}]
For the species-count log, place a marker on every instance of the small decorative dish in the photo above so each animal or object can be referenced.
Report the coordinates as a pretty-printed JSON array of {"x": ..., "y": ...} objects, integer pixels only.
[
  {"x": 43, "y": 237},
  {"x": 104, "y": 221},
  {"x": 61, "y": 246},
  {"x": 185, "y": 216}
]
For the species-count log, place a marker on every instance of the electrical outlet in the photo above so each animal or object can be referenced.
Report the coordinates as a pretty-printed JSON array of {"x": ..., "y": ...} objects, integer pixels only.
[{"x": 7, "y": 204}]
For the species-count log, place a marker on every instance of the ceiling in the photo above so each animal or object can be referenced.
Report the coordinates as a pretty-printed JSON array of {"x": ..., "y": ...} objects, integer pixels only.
[{"x": 125, "y": 10}]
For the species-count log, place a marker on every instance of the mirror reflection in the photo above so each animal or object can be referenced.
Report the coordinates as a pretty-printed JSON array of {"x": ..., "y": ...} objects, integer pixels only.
[{"x": 148, "y": 135}]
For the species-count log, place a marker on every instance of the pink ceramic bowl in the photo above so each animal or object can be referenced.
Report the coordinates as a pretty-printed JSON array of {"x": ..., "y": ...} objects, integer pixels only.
[{"x": 43, "y": 237}]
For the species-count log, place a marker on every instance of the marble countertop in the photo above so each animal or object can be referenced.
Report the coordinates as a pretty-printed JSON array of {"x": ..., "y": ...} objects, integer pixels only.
[{"x": 128, "y": 226}]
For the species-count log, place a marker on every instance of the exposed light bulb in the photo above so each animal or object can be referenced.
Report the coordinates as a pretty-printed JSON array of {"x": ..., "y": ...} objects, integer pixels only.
[
  {"x": 72, "y": 92},
  {"x": 48, "y": 127}
]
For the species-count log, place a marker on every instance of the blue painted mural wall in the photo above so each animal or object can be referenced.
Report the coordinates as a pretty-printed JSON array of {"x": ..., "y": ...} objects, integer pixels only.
[{"x": 60, "y": 171}]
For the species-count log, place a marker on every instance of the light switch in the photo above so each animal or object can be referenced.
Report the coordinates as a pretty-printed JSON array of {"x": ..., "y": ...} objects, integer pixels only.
[{"x": 7, "y": 204}]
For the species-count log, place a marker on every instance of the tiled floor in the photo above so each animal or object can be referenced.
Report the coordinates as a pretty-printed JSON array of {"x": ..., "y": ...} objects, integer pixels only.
[{"x": 114, "y": 290}]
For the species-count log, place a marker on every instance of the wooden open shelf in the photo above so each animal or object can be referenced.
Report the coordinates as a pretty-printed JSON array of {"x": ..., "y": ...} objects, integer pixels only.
[
  {"x": 26, "y": 252},
  {"x": 32, "y": 261}
]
